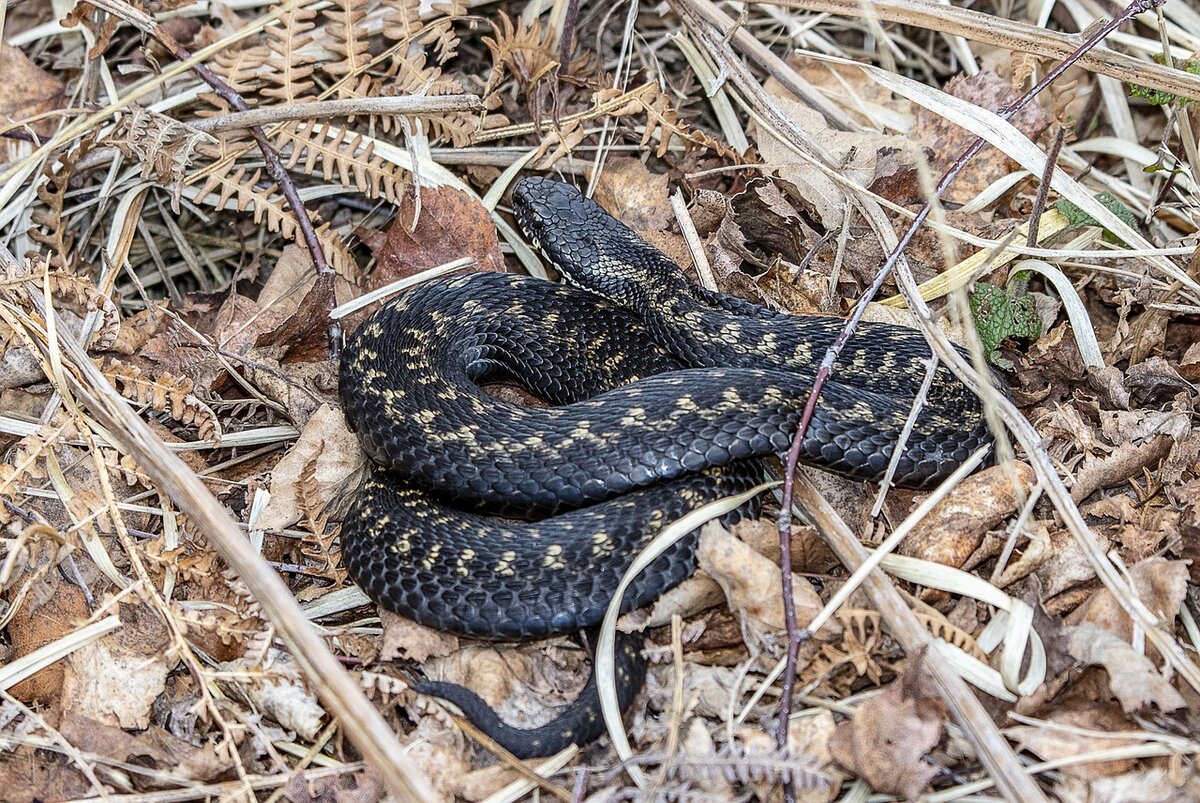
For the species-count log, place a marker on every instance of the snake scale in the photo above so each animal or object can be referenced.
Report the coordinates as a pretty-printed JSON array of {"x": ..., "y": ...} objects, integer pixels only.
[{"x": 489, "y": 518}]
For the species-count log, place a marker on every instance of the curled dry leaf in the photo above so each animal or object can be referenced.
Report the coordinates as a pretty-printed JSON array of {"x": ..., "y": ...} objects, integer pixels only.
[
  {"x": 1081, "y": 730},
  {"x": 152, "y": 747},
  {"x": 956, "y": 526},
  {"x": 862, "y": 157},
  {"x": 452, "y": 225},
  {"x": 405, "y": 639},
  {"x": 116, "y": 678},
  {"x": 26, "y": 92},
  {"x": 329, "y": 442},
  {"x": 810, "y": 736},
  {"x": 1159, "y": 583},
  {"x": 1134, "y": 680},
  {"x": 282, "y": 695},
  {"x": 890, "y": 734},
  {"x": 751, "y": 584},
  {"x": 946, "y": 140}
]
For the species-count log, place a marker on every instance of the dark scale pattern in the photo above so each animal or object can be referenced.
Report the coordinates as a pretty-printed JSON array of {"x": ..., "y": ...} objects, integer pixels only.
[{"x": 652, "y": 381}]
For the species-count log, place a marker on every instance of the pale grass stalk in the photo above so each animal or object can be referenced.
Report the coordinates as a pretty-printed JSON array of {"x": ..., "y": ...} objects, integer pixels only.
[{"x": 1007, "y": 34}]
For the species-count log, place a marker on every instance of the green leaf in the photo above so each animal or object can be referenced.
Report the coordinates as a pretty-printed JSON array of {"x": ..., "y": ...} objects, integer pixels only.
[
  {"x": 1001, "y": 316},
  {"x": 1156, "y": 97},
  {"x": 1078, "y": 217}
]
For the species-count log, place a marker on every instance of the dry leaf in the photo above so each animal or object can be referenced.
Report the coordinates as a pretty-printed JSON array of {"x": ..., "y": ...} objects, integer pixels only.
[
  {"x": 955, "y": 527},
  {"x": 751, "y": 584},
  {"x": 887, "y": 740},
  {"x": 405, "y": 639},
  {"x": 26, "y": 92},
  {"x": 115, "y": 679},
  {"x": 1159, "y": 583},
  {"x": 1131, "y": 675},
  {"x": 452, "y": 225},
  {"x": 326, "y": 440},
  {"x": 1050, "y": 743}
]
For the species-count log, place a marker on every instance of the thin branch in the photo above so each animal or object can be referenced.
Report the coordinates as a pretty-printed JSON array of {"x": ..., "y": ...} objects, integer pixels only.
[{"x": 409, "y": 105}]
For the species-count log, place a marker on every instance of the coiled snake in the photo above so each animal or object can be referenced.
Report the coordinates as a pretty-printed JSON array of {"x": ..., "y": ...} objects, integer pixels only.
[{"x": 663, "y": 396}]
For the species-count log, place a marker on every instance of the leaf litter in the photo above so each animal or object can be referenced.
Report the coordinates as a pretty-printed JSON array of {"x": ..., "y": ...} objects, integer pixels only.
[{"x": 157, "y": 237}]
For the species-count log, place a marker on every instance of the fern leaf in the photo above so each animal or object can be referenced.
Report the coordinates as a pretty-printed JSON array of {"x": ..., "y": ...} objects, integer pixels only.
[
  {"x": 344, "y": 154},
  {"x": 291, "y": 79},
  {"x": 166, "y": 393},
  {"x": 349, "y": 40}
]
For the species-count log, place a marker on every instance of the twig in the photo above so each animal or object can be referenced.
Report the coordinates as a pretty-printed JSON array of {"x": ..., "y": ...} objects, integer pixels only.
[
  {"x": 348, "y": 107},
  {"x": 1039, "y": 203}
]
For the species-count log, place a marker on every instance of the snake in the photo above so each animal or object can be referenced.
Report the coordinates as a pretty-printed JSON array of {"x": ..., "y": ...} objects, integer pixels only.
[{"x": 492, "y": 518}]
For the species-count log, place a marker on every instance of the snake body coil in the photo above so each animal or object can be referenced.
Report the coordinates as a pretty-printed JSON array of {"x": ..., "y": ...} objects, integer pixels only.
[{"x": 663, "y": 396}]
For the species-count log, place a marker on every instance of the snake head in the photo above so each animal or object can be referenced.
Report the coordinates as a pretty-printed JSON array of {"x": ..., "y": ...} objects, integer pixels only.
[{"x": 586, "y": 245}]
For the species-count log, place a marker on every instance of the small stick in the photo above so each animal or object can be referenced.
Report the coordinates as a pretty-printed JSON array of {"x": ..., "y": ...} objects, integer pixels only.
[
  {"x": 826, "y": 367},
  {"x": 347, "y": 107}
]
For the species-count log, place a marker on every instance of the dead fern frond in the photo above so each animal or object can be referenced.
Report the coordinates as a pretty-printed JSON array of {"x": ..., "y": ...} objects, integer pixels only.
[
  {"x": 223, "y": 187},
  {"x": 350, "y": 40},
  {"x": 735, "y": 763},
  {"x": 343, "y": 153},
  {"x": 167, "y": 393},
  {"x": 26, "y": 462},
  {"x": 242, "y": 70},
  {"x": 81, "y": 293},
  {"x": 314, "y": 516},
  {"x": 662, "y": 117},
  {"x": 401, "y": 19},
  {"x": 943, "y": 628},
  {"x": 291, "y": 79},
  {"x": 440, "y": 34},
  {"x": 50, "y": 229},
  {"x": 165, "y": 148},
  {"x": 524, "y": 51}
]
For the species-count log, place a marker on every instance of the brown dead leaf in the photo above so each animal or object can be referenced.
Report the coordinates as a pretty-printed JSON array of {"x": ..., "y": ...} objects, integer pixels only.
[
  {"x": 947, "y": 140},
  {"x": 890, "y": 734},
  {"x": 1049, "y": 743},
  {"x": 633, "y": 195},
  {"x": 152, "y": 747},
  {"x": 359, "y": 787},
  {"x": 1131, "y": 675},
  {"x": 405, "y": 639},
  {"x": 1159, "y": 583},
  {"x": 329, "y": 442},
  {"x": 452, "y": 225},
  {"x": 115, "y": 679},
  {"x": 810, "y": 736},
  {"x": 29, "y": 776},
  {"x": 62, "y": 612},
  {"x": 1189, "y": 365},
  {"x": 751, "y": 583},
  {"x": 955, "y": 527},
  {"x": 1139, "y": 786},
  {"x": 862, "y": 157},
  {"x": 26, "y": 92}
]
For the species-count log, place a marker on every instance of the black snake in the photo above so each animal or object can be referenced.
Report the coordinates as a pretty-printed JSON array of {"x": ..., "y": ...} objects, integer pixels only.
[{"x": 662, "y": 396}]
